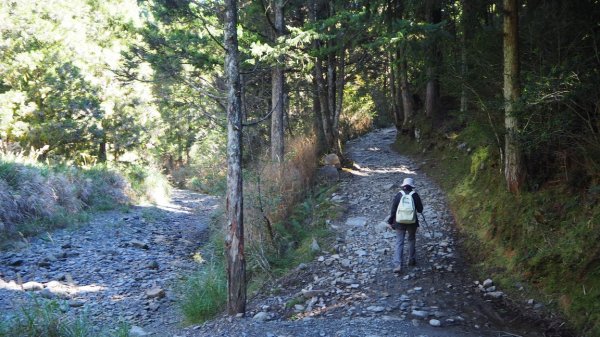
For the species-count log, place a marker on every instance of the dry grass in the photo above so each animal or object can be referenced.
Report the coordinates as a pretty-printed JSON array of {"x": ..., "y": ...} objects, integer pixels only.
[
  {"x": 271, "y": 193},
  {"x": 33, "y": 193}
]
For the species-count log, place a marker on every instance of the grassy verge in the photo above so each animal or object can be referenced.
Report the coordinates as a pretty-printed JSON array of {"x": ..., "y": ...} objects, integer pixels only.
[
  {"x": 35, "y": 197},
  {"x": 50, "y": 318},
  {"x": 548, "y": 239}
]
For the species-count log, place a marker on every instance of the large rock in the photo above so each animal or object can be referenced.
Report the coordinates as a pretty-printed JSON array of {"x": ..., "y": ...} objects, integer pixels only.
[{"x": 333, "y": 160}]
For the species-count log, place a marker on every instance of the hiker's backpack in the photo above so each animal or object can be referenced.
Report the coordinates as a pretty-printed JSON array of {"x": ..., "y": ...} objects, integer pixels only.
[{"x": 405, "y": 213}]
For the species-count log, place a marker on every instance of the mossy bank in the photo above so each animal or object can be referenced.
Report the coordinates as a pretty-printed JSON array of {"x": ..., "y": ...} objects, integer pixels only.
[{"x": 546, "y": 239}]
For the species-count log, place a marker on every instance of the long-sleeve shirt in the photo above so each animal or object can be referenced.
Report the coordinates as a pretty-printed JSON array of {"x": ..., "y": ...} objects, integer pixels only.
[{"x": 416, "y": 199}]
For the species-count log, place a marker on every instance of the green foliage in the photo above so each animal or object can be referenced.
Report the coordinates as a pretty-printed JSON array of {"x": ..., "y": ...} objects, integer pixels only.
[
  {"x": 51, "y": 318},
  {"x": 58, "y": 89},
  {"x": 147, "y": 182}
]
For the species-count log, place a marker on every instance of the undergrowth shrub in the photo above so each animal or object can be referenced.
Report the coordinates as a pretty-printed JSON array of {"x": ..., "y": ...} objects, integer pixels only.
[
  {"x": 206, "y": 170},
  {"x": 147, "y": 182},
  {"x": 359, "y": 110}
]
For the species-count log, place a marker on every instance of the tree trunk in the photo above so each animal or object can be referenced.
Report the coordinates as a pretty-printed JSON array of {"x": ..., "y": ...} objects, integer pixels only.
[
  {"x": 277, "y": 101},
  {"x": 102, "y": 150},
  {"x": 464, "y": 28},
  {"x": 234, "y": 241},
  {"x": 323, "y": 100},
  {"x": 339, "y": 87},
  {"x": 396, "y": 92},
  {"x": 514, "y": 171},
  {"x": 321, "y": 91},
  {"x": 408, "y": 104},
  {"x": 318, "y": 121},
  {"x": 432, "y": 97}
]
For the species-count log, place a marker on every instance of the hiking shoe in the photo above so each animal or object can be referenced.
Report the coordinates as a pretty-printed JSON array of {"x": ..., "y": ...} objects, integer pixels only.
[
  {"x": 412, "y": 262},
  {"x": 397, "y": 270}
]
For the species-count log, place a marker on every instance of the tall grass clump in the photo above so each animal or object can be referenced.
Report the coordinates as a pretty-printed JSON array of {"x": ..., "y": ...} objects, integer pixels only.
[
  {"x": 35, "y": 196},
  {"x": 50, "y": 318},
  {"x": 204, "y": 293},
  {"x": 283, "y": 211},
  {"x": 32, "y": 193}
]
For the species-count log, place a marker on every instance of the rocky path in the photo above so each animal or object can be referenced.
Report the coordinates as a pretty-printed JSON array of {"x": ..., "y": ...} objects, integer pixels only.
[
  {"x": 352, "y": 291},
  {"x": 119, "y": 267}
]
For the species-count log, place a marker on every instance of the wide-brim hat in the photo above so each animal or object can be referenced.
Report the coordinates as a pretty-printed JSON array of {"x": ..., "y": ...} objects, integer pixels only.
[{"x": 408, "y": 182}]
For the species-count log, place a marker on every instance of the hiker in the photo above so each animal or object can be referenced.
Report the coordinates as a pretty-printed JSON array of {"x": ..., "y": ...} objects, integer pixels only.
[{"x": 403, "y": 219}]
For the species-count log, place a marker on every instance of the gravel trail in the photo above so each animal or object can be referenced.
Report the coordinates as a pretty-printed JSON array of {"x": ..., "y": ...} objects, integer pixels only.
[
  {"x": 121, "y": 266},
  {"x": 124, "y": 266},
  {"x": 353, "y": 291}
]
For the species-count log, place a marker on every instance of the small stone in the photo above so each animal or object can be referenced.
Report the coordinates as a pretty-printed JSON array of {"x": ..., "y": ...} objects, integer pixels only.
[
  {"x": 488, "y": 283},
  {"x": 155, "y": 292},
  {"x": 299, "y": 307},
  {"x": 75, "y": 303},
  {"x": 314, "y": 246},
  {"x": 356, "y": 222},
  {"x": 302, "y": 266},
  {"x": 137, "y": 331},
  {"x": 495, "y": 294},
  {"x": 261, "y": 316},
  {"x": 333, "y": 160},
  {"x": 420, "y": 313},
  {"x": 152, "y": 265},
  {"x": 435, "y": 322},
  {"x": 15, "y": 262},
  {"x": 139, "y": 244},
  {"x": 32, "y": 286},
  {"x": 376, "y": 308},
  {"x": 46, "y": 293}
]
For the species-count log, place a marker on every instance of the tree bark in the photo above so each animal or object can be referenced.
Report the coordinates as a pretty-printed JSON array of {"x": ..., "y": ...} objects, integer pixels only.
[
  {"x": 408, "y": 104},
  {"x": 466, "y": 21},
  {"x": 432, "y": 97},
  {"x": 339, "y": 88},
  {"x": 277, "y": 100},
  {"x": 514, "y": 171},
  {"x": 396, "y": 92},
  {"x": 321, "y": 90},
  {"x": 234, "y": 240}
]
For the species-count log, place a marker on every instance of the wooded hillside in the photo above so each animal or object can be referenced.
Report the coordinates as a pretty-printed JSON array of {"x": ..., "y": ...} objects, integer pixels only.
[{"x": 503, "y": 93}]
